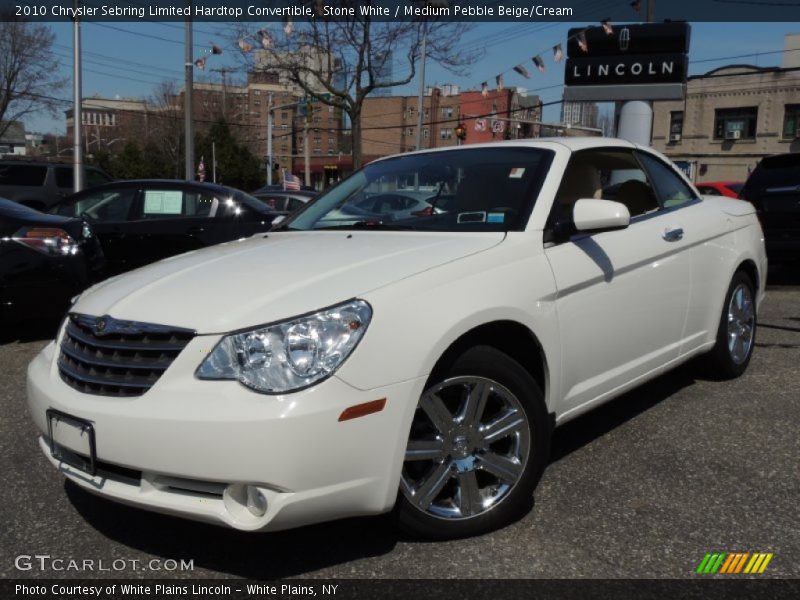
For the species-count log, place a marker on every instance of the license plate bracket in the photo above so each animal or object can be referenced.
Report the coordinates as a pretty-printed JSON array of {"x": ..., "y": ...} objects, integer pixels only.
[{"x": 63, "y": 426}]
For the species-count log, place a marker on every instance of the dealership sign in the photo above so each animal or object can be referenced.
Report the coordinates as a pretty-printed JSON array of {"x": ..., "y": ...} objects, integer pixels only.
[{"x": 635, "y": 62}]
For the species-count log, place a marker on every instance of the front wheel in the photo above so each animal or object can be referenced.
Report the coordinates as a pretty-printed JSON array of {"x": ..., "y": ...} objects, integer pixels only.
[
  {"x": 737, "y": 330},
  {"x": 478, "y": 444}
]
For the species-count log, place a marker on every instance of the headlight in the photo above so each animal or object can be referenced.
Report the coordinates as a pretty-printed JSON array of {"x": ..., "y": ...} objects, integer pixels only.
[{"x": 290, "y": 355}]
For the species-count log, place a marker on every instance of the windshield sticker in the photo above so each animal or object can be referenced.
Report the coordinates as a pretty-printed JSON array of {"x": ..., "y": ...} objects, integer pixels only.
[
  {"x": 516, "y": 173},
  {"x": 472, "y": 217},
  {"x": 495, "y": 217}
]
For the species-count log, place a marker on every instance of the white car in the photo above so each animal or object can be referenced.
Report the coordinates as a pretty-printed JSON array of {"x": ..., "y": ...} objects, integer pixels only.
[{"x": 323, "y": 371}]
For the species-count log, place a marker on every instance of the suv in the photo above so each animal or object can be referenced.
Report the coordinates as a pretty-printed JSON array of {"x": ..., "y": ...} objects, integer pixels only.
[
  {"x": 40, "y": 184},
  {"x": 774, "y": 189}
]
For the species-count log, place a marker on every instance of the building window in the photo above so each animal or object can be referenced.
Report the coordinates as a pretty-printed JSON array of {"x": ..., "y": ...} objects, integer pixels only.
[
  {"x": 257, "y": 92},
  {"x": 425, "y": 133},
  {"x": 735, "y": 123},
  {"x": 447, "y": 112},
  {"x": 284, "y": 115},
  {"x": 791, "y": 121},
  {"x": 410, "y": 132},
  {"x": 330, "y": 109},
  {"x": 447, "y": 133},
  {"x": 675, "y": 125}
]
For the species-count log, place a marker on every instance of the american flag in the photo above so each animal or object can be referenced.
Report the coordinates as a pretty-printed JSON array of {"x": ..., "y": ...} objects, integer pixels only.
[{"x": 291, "y": 182}]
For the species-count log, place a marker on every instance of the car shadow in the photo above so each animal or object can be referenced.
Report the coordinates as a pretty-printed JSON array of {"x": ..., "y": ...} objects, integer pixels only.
[
  {"x": 250, "y": 555},
  {"x": 599, "y": 421},
  {"x": 32, "y": 330}
]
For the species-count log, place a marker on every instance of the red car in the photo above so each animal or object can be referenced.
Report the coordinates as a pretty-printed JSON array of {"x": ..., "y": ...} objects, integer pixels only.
[{"x": 721, "y": 188}]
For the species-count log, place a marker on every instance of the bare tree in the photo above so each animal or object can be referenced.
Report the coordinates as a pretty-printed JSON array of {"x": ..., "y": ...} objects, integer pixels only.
[
  {"x": 341, "y": 62},
  {"x": 29, "y": 80},
  {"x": 166, "y": 124}
]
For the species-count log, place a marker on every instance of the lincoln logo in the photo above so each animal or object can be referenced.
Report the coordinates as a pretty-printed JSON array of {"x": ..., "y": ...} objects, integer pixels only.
[
  {"x": 624, "y": 39},
  {"x": 100, "y": 325},
  {"x": 621, "y": 69}
]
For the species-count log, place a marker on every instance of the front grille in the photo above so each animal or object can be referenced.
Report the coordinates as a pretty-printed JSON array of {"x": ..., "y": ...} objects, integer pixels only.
[{"x": 110, "y": 357}]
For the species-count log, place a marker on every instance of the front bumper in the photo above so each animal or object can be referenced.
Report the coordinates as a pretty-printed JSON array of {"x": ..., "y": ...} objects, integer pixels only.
[{"x": 187, "y": 447}]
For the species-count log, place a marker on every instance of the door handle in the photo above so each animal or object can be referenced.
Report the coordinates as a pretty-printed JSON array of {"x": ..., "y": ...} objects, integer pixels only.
[
  {"x": 673, "y": 235},
  {"x": 193, "y": 230}
]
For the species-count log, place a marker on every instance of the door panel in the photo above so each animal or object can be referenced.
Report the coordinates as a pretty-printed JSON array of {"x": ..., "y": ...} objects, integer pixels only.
[
  {"x": 622, "y": 295},
  {"x": 622, "y": 298}
]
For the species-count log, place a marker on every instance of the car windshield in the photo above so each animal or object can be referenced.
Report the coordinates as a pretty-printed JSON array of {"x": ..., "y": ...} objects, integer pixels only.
[
  {"x": 477, "y": 189},
  {"x": 248, "y": 200}
]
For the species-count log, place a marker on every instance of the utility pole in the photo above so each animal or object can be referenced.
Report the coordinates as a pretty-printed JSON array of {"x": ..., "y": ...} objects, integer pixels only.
[
  {"x": 269, "y": 139},
  {"x": 306, "y": 149},
  {"x": 187, "y": 97},
  {"x": 421, "y": 99},
  {"x": 651, "y": 11},
  {"x": 223, "y": 71},
  {"x": 77, "y": 106},
  {"x": 214, "y": 162}
]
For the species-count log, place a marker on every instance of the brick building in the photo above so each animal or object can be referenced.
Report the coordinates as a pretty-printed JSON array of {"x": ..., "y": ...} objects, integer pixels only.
[
  {"x": 389, "y": 123},
  {"x": 488, "y": 118},
  {"x": 108, "y": 121},
  {"x": 732, "y": 117}
]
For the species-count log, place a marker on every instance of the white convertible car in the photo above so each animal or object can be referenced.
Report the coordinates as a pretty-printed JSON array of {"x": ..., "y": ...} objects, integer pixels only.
[{"x": 336, "y": 367}]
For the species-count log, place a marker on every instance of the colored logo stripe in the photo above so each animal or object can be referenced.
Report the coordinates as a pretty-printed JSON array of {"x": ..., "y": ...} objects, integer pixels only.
[{"x": 734, "y": 562}]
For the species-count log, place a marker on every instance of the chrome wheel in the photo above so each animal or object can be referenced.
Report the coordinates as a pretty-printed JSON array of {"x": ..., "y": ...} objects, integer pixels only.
[
  {"x": 741, "y": 323},
  {"x": 468, "y": 448}
]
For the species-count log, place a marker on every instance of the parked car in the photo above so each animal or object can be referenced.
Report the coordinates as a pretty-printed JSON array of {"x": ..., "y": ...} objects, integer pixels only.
[
  {"x": 44, "y": 261},
  {"x": 398, "y": 205},
  {"x": 318, "y": 373},
  {"x": 285, "y": 202},
  {"x": 730, "y": 189},
  {"x": 142, "y": 221},
  {"x": 774, "y": 189},
  {"x": 40, "y": 184}
]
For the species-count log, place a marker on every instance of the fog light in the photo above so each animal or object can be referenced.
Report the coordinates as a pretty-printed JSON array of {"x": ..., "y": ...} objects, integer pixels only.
[{"x": 256, "y": 502}]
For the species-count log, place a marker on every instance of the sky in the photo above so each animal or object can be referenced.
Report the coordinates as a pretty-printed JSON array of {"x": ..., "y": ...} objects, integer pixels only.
[{"x": 131, "y": 59}]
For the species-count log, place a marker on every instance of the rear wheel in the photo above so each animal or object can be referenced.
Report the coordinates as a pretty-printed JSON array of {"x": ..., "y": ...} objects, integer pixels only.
[
  {"x": 737, "y": 330},
  {"x": 478, "y": 444}
]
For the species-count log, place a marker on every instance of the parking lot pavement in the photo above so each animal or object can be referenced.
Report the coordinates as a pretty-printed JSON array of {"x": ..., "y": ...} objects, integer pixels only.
[{"x": 642, "y": 487}]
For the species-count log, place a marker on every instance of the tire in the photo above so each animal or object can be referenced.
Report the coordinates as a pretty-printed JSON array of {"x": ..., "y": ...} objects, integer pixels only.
[
  {"x": 736, "y": 333},
  {"x": 478, "y": 444}
]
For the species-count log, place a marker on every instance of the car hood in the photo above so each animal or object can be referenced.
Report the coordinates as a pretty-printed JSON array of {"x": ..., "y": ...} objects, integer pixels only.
[{"x": 271, "y": 277}]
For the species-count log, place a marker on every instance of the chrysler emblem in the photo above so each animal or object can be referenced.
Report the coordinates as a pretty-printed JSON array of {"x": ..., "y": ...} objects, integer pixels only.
[
  {"x": 624, "y": 39},
  {"x": 100, "y": 325}
]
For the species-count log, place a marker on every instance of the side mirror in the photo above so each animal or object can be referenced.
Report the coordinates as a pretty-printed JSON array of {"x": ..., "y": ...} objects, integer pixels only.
[
  {"x": 591, "y": 214},
  {"x": 279, "y": 219}
]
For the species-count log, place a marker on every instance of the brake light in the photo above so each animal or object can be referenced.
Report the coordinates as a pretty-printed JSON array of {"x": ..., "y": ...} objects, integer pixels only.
[
  {"x": 48, "y": 240},
  {"x": 425, "y": 212}
]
